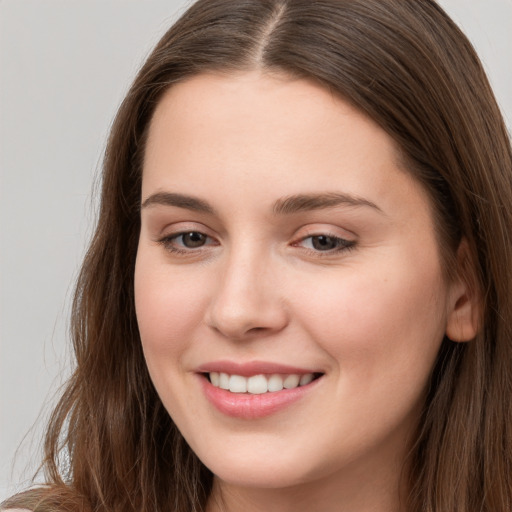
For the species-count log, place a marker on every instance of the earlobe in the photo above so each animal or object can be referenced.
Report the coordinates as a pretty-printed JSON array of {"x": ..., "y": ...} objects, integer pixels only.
[{"x": 465, "y": 305}]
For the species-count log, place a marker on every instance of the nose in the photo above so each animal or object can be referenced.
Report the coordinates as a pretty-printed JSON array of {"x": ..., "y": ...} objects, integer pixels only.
[{"x": 247, "y": 300}]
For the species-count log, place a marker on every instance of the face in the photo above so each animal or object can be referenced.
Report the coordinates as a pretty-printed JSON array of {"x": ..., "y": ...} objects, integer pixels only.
[{"x": 282, "y": 247}]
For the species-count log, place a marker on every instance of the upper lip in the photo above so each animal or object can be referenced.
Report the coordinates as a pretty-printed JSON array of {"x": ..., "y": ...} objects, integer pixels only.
[{"x": 252, "y": 368}]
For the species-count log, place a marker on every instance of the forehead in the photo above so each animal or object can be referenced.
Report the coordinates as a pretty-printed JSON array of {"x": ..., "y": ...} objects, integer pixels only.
[
  {"x": 257, "y": 100},
  {"x": 272, "y": 133},
  {"x": 230, "y": 109}
]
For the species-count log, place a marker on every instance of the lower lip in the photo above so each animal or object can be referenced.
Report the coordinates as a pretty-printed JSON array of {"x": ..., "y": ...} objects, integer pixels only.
[{"x": 247, "y": 406}]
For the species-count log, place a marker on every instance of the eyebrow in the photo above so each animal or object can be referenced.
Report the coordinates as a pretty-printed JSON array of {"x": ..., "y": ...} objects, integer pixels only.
[
  {"x": 309, "y": 202},
  {"x": 178, "y": 200},
  {"x": 285, "y": 206}
]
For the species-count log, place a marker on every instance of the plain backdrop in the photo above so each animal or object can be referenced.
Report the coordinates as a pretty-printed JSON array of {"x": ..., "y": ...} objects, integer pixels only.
[{"x": 64, "y": 68}]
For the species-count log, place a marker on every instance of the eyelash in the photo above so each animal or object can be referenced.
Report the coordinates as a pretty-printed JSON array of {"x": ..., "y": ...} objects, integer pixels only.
[
  {"x": 341, "y": 244},
  {"x": 169, "y": 242}
]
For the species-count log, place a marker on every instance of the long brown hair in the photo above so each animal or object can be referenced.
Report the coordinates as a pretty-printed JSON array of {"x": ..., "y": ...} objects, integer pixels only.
[{"x": 407, "y": 66}]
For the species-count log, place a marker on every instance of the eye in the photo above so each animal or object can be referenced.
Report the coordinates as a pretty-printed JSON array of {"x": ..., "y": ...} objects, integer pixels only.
[
  {"x": 191, "y": 240},
  {"x": 186, "y": 241},
  {"x": 326, "y": 243}
]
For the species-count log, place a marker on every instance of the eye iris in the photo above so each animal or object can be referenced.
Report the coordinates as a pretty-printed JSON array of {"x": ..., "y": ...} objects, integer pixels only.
[
  {"x": 324, "y": 243},
  {"x": 193, "y": 239}
]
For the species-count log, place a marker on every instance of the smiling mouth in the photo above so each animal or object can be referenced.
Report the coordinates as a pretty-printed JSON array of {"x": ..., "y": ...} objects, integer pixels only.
[{"x": 259, "y": 384}]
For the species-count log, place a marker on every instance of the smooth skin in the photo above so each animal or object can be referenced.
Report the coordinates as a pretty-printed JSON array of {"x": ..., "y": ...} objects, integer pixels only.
[{"x": 352, "y": 286}]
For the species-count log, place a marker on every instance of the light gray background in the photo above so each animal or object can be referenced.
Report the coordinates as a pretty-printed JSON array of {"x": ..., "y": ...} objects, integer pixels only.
[{"x": 64, "y": 67}]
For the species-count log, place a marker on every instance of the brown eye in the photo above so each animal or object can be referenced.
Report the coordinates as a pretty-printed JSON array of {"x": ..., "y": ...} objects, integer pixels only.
[
  {"x": 324, "y": 242},
  {"x": 187, "y": 242},
  {"x": 192, "y": 240}
]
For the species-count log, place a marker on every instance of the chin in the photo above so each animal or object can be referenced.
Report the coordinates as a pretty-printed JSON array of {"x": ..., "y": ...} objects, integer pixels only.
[
  {"x": 262, "y": 469},
  {"x": 267, "y": 477}
]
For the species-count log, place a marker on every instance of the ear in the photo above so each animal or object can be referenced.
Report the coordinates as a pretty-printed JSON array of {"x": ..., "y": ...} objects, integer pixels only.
[{"x": 465, "y": 301}]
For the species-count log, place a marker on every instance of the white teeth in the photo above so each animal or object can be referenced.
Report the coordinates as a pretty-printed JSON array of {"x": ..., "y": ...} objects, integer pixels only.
[
  {"x": 215, "y": 379},
  {"x": 291, "y": 381},
  {"x": 223, "y": 381},
  {"x": 306, "y": 379},
  {"x": 259, "y": 384},
  {"x": 275, "y": 383},
  {"x": 237, "y": 384}
]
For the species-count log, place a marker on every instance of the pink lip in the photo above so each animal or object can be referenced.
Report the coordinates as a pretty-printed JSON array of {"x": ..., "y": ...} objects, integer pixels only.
[
  {"x": 247, "y": 406},
  {"x": 251, "y": 368}
]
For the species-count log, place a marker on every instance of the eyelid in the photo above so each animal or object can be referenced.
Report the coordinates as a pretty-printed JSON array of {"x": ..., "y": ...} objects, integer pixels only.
[
  {"x": 170, "y": 228},
  {"x": 168, "y": 235},
  {"x": 343, "y": 239},
  {"x": 347, "y": 239},
  {"x": 344, "y": 242},
  {"x": 326, "y": 230},
  {"x": 170, "y": 244}
]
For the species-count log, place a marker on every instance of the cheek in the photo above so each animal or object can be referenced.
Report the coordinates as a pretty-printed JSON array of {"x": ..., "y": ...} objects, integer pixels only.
[
  {"x": 168, "y": 305},
  {"x": 379, "y": 326},
  {"x": 382, "y": 335}
]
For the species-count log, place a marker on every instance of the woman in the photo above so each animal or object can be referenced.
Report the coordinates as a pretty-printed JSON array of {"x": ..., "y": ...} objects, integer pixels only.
[{"x": 297, "y": 295}]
